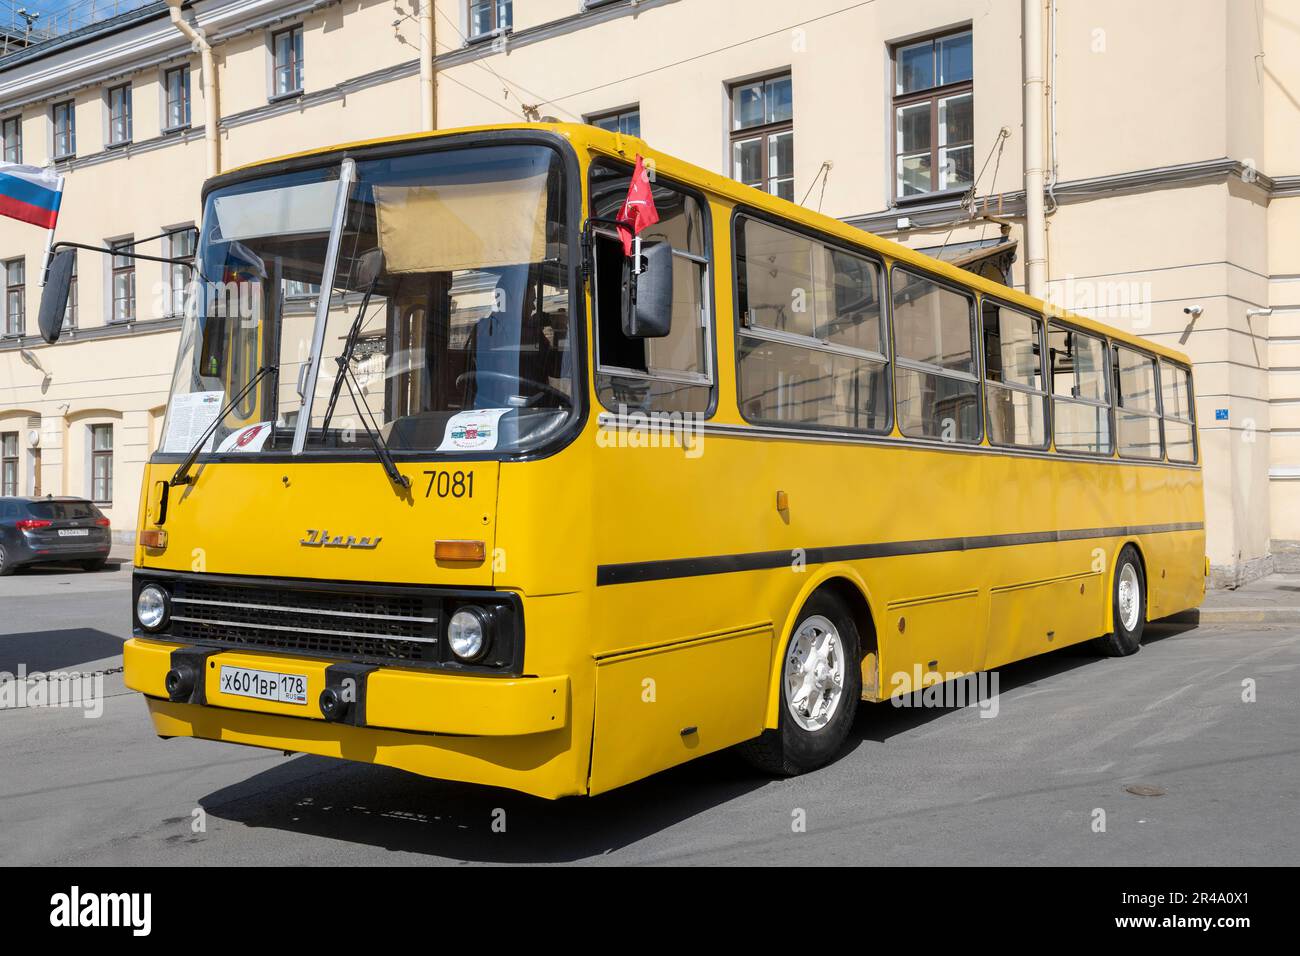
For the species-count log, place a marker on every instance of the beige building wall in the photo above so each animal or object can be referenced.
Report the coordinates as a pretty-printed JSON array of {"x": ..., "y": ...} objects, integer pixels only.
[{"x": 1172, "y": 132}]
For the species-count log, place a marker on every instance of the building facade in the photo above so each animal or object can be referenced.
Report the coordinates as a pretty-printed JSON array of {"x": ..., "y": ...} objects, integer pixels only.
[{"x": 1168, "y": 134}]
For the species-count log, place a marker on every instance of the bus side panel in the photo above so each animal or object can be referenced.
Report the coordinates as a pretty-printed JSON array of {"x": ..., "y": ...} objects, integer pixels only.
[{"x": 658, "y": 708}]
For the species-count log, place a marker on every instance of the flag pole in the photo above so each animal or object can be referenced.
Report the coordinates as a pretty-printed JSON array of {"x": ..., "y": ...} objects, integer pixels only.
[{"x": 49, "y": 238}]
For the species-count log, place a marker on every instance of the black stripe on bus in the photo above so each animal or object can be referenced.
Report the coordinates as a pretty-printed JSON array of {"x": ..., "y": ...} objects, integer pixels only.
[{"x": 635, "y": 571}]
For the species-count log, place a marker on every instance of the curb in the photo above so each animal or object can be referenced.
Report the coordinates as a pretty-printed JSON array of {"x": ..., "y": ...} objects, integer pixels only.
[{"x": 1237, "y": 615}]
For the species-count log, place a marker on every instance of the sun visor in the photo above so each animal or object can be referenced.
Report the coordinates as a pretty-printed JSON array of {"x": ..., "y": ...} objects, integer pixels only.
[
  {"x": 462, "y": 226},
  {"x": 291, "y": 211}
]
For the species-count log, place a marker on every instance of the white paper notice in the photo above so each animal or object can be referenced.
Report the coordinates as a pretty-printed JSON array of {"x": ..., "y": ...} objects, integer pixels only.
[
  {"x": 188, "y": 417},
  {"x": 248, "y": 439},
  {"x": 474, "y": 430}
]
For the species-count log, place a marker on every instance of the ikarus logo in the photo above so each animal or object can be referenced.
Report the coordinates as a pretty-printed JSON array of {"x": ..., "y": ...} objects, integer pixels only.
[{"x": 77, "y": 909}]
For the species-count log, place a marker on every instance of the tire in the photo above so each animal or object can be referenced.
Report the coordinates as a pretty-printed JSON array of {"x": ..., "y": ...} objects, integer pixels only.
[
  {"x": 6, "y": 565},
  {"x": 803, "y": 743},
  {"x": 94, "y": 564},
  {"x": 1128, "y": 603}
]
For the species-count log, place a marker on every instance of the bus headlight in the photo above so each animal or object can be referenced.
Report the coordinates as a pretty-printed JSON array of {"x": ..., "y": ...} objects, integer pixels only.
[
  {"x": 468, "y": 633},
  {"x": 152, "y": 607}
]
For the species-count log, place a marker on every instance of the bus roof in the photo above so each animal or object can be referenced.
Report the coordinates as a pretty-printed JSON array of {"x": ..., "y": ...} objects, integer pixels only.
[{"x": 593, "y": 139}]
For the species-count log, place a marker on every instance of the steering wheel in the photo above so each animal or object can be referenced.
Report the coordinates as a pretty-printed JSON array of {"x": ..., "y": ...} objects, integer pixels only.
[{"x": 515, "y": 380}]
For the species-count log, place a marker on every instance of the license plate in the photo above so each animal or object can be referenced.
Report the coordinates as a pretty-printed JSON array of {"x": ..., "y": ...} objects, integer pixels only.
[
  {"x": 264, "y": 685},
  {"x": 73, "y": 532}
]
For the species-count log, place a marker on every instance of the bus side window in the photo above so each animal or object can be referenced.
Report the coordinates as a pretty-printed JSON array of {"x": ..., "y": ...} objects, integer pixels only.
[
  {"x": 1015, "y": 390},
  {"x": 811, "y": 345},
  {"x": 1179, "y": 412},
  {"x": 1137, "y": 412},
  {"x": 934, "y": 336},
  {"x": 1080, "y": 403},
  {"x": 673, "y": 373}
]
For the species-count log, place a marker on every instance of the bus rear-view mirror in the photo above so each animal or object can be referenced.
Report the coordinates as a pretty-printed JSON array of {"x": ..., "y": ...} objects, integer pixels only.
[
  {"x": 54, "y": 297},
  {"x": 648, "y": 295}
]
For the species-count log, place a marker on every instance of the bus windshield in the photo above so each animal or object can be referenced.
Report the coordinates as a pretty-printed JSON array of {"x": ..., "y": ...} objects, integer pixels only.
[{"x": 445, "y": 323}]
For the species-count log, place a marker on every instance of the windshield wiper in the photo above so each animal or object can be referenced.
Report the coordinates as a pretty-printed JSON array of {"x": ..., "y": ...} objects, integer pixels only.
[
  {"x": 372, "y": 432},
  {"x": 182, "y": 476},
  {"x": 369, "y": 268}
]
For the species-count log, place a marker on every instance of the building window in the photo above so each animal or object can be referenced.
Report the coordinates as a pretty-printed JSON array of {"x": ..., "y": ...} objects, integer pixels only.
[
  {"x": 1080, "y": 401},
  {"x": 12, "y": 132},
  {"x": 9, "y": 464},
  {"x": 176, "y": 83},
  {"x": 934, "y": 129},
  {"x": 1015, "y": 389},
  {"x": 119, "y": 115},
  {"x": 811, "y": 348},
  {"x": 762, "y": 135},
  {"x": 489, "y": 17},
  {"x": 65, "y": 129},
  {"x": 627, "y": 122},
  {"x": 178, "y": 244},
  {"x": 70, "y": 310},
  {"x": 935, "y": 371},
  {"x": 101, "y": 464},
  {"x": 15, "y": 297},
  {"x": 123, "y": 281},
  {"x": 287, "y": 48}
]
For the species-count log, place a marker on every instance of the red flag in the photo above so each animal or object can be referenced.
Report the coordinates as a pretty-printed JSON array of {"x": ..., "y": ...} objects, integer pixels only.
[{"x": 638, "y": 208}]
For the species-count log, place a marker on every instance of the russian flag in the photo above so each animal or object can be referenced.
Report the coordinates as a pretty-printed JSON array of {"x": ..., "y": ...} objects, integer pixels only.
[{"x": 30, "y": 194}]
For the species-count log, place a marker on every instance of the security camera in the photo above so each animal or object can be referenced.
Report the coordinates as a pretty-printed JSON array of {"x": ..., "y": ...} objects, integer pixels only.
[{"x": 1194, "y": 311}]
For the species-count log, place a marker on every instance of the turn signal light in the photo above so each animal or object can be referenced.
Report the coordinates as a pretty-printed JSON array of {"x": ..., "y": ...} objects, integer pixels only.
[
  {"x": 460, "y": 551},
  {"x": 154, "y": 539},
  {"x": 32, "y": 524}
]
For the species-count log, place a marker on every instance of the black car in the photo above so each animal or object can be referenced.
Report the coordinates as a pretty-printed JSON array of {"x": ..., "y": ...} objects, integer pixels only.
[{"x": 52, "y": 530}]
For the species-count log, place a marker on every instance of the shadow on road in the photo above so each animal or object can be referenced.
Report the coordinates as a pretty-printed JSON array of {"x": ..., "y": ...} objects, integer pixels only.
[
  {"x": 46, "y": 651},
  {"x": 382, "y": 807}
]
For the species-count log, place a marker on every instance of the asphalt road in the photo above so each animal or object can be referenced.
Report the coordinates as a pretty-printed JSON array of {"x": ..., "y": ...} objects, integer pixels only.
[{"x": 919, "y": 786}]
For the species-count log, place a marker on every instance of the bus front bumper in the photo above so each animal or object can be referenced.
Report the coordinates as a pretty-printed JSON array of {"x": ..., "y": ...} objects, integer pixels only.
[{"x": 508, "y": 732}]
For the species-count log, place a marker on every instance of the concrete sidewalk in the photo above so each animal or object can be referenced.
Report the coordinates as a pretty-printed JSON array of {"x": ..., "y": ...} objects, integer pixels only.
[{"x": 1271, "y": 600}]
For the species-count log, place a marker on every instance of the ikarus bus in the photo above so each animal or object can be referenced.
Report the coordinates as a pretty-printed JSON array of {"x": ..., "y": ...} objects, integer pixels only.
[{"x": 450, "y": 482}]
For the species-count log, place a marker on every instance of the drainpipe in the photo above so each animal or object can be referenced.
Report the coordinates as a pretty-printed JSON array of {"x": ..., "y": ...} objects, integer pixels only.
[
  {"x": 211, "y": 106},
  {"x": 428, "y": 105},
  {"x": 1035, "y": 219}
]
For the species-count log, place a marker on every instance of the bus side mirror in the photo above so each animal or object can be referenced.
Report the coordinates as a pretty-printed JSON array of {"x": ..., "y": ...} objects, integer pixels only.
[
  {"x": 648, "y": 296},
  {"x": 54, "y": 297}
]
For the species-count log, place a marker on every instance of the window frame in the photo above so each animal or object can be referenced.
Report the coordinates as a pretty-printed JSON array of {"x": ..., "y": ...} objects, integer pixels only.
[
  {"x": 16, "y": 123},
  {"x": 1117, "y": 395},
  {"x": 18, "y": 329},
  {"x": 295, "y": 66},
  {"x": 98, "y": 454},
  {"x": 1161, "y": 362},
  {"x": 1108, "y": 403},
  {"x": 762, "y": 132},
  {"x": 496, "y": 30},
  {"x": 740, "y": 329},
  {"x": 110, "y": 141},
  {"x": 593, "y": 119},
  {"x": 14, "y": 460},
  {"x": 69, "y": 108},
  {"x": 171, "y": 270},
  {"x": 71, "y": 309},
  {"x": 932, "y": 95},
  {"x": 927, "y": 368},
  {"x": 707, "y": 299},
  {"x": 1043, "y": 371},
  {"x": 183, "y": 71},
  {"x": 114, "y": 270}
]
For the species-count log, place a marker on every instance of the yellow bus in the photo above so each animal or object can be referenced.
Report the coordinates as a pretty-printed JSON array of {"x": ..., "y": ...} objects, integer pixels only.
[{"x": 449, "y": 483}]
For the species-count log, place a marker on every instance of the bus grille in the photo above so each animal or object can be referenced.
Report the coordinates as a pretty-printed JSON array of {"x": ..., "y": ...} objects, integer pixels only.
[{"x": 364, "y": 626}]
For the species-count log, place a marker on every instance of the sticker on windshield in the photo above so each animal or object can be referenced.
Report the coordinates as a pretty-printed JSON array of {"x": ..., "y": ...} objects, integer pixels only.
[
  {"x": 248, "y": 439},
  {"x": 188, "y": 417},
  {"x": 474, "y": 430}
]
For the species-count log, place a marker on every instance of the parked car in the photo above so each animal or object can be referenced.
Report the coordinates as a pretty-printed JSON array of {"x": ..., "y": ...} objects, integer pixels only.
[{"x": 52, "y": 530}]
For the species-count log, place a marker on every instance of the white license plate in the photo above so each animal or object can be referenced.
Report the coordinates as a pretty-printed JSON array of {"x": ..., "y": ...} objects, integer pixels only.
[
  {"x": 73, "y": 532},
  {"x": 264, "y": 685}
]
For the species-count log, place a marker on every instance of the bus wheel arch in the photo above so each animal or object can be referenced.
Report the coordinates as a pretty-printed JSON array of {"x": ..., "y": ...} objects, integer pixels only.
[{"x": 1127, "y": 604}]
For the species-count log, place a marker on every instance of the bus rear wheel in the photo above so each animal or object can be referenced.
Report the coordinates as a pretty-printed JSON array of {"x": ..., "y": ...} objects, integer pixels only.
[
  {"x": 821, "y": 684},
  {"x": 1128, "y": 607}
]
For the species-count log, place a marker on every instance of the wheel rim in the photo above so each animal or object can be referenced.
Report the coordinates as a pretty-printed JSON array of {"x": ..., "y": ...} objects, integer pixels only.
[
  {"x": 1129, "y": 597},
  {"x": 814, "y": 673}
]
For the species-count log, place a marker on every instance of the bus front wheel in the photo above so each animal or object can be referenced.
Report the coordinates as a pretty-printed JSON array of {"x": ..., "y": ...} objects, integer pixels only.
[
  {"x": 821, "y": 684},
  {"x": 1128, "y": 607}
]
